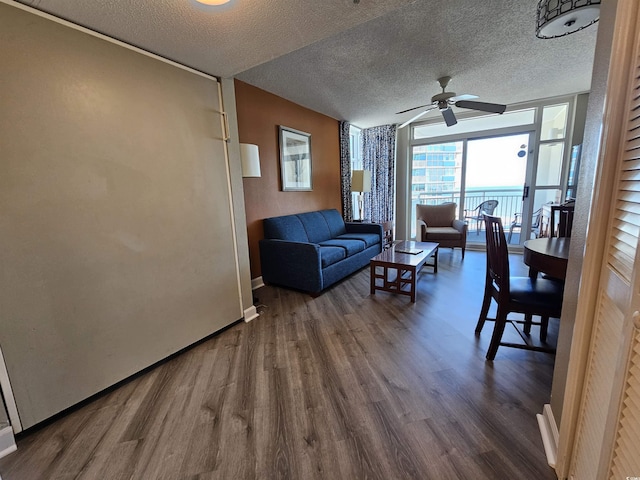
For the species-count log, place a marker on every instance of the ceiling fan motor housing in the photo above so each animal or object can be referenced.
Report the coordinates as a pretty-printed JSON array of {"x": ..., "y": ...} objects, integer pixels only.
[{"x": 441, "y": 99}]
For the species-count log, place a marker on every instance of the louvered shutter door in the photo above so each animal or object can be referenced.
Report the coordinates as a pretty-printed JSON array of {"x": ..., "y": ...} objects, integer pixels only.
[
  {"x": 597, "y": 390},
  {"x": 626, "y": 222},
  {"x": 606, "y": 442},
  {"x": 625, "y": 459},
  {"x": 626, "y": 453}
]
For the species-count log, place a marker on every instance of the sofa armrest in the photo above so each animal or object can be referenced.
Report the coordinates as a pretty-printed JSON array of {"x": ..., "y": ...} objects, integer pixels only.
[
  {"x": 421, "y": 230},
  {"x": 361, "y": 227},
  {"x": 292, "y": 264},
  {"x": 461, "y": 226}
]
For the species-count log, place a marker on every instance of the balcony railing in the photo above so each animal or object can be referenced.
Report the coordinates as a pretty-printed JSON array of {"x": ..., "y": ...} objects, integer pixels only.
[{"x": 509, "y": 203}]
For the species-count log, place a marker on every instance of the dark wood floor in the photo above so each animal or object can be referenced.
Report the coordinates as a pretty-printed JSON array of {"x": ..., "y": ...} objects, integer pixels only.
[{"x": 342, "y": 386}]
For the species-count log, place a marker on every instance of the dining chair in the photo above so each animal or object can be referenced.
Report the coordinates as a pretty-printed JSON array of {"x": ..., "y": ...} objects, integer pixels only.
[
  {"x": 524, "y": 295},
  {"x": 562, "y": 217},
  {"x": 485, "y": 208}
]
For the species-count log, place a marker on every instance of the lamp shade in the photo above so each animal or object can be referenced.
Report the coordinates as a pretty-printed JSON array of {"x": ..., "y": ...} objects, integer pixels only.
[
  {"x": 361, "y": 181},
  {"x": 250, "y": 157},
  {"x": 557, "y": 18}
]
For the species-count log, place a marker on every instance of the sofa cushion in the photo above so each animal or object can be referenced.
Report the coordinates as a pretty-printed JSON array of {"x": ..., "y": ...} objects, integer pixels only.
[
  {"x": 287, "y": 227},
  {"x": 334, "y": 222},
  {"x": 443, "y": 233},
  {"x": 369, "y": 239},
  {"x": 316, "y": 226},
  {"x": 331, "y": 255},
  {"x": 351, "y": 247}
]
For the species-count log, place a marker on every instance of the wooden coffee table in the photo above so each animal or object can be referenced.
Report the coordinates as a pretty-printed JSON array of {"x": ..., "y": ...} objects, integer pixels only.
[{"x": 395, "y": 271}]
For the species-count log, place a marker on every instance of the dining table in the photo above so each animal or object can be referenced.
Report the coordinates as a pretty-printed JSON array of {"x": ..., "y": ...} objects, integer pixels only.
[{"x": 548, "y": 255}]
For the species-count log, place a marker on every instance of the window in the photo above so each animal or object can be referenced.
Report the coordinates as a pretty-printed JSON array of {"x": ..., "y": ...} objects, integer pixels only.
[
  {"x": 354, "y": 148},
  {"x": 551, "y": 154},
  {"x": 476, "y": 124}
]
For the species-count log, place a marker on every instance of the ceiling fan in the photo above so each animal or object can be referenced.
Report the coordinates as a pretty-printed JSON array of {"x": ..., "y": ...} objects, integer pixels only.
[{"x": 443, "y": 102}]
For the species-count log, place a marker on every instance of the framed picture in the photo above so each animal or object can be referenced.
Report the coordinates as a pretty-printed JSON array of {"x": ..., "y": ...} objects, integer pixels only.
[{"x": 295, "y": 160}]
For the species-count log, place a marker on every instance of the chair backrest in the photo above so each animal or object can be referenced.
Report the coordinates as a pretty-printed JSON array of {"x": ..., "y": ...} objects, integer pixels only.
[
  {"x": 562, "y": 216},
  {"x": 487, "y": 207},
  {"x": 441, "y": 215},
  {"x": 536, "y": 217},
  {"x": 497, "y": 254}
]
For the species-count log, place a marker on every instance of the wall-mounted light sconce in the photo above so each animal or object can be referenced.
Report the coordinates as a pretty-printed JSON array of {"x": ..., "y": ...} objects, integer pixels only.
[
  {"x": 361, "y": 182},
  {"x": 557, "y": 18},
  {"x": 250, "y": 158}
]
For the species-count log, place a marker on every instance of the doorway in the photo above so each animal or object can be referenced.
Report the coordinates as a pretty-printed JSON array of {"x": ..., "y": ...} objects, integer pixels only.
[
  {"x": 488, "y": 174},
  {"x": 495, "y": 182}
]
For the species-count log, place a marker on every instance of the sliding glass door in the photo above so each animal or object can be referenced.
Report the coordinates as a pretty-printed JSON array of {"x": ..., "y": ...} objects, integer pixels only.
[
  {"x": 485, "y": 175},
  {"x": 495, "y": 179}
]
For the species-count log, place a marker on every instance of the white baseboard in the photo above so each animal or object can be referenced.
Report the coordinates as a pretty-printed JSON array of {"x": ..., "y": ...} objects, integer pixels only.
[
  {"x": 7, "y": 442},
  {"x": 549, "y": 433},
  {"x": 256, "y": 283},
  {"x": 250, "y": 313}
]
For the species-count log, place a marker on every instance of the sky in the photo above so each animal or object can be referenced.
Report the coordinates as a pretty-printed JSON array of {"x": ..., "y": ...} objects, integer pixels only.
[{"x": 494, "y": 162}]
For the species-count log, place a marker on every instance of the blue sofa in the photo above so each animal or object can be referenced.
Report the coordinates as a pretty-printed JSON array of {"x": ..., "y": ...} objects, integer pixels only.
[{"x": 310, "y": 251}]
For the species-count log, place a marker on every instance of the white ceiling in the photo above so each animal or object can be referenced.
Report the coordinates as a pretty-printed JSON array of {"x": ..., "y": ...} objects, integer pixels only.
[{"x": 358, "y": 62}]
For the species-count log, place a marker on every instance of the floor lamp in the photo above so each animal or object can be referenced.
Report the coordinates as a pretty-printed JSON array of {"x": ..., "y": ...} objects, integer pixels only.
[{"x": 361, "y": 183}]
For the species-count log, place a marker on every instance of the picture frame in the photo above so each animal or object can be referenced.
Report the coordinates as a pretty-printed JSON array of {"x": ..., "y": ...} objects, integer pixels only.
[{"x": 295, "y": 160}]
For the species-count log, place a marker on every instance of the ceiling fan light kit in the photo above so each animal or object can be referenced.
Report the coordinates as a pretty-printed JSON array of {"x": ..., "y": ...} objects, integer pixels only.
[
  {"x": 444, "y": 100},
  {"x": 557, "y": 18}
]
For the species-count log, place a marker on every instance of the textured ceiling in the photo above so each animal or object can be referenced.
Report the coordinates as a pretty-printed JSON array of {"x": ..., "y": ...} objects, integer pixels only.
[{"x": 358, "y": 62}]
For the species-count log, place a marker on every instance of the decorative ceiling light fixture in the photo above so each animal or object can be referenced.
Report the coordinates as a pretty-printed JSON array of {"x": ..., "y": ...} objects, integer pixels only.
[
  {"x": 213, "y": 2},
  {"x": 557, "y": 18}
]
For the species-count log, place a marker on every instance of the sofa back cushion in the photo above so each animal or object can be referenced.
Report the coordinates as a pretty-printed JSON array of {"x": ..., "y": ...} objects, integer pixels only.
[
  {"x": 287, "y": 227},
  {"x": 334, "y": 221},
  {"x": 316, "y": 226}
]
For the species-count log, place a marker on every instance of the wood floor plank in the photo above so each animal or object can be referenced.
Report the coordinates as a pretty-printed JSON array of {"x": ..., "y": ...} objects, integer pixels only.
[{"x": 345, "y": 385}]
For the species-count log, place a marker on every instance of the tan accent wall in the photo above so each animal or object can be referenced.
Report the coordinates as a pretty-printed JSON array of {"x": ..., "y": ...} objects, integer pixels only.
[{"x": 259, "y": 115}]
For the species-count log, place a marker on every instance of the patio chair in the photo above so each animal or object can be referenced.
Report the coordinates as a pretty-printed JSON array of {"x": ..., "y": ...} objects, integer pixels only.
[
  {"x": 517, "y": 223},
  {"x": 485, "y": 208}
]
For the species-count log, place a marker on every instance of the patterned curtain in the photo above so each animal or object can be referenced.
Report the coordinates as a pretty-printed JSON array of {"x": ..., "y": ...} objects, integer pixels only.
[
  {"x": 345, "y": 172},
  {"x": 379, "y": 156}
]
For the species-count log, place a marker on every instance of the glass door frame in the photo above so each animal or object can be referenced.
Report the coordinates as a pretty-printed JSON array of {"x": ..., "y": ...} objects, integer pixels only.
[
  {"x": 436, "y": 132},
  {"x": 529, "y": 130}
]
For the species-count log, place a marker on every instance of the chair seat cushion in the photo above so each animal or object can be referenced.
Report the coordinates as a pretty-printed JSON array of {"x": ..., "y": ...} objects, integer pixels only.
[
  {"x": 442, "y": 233},
  {"x": 539, "y": 291},
  {"x": 331, "y": 255}
]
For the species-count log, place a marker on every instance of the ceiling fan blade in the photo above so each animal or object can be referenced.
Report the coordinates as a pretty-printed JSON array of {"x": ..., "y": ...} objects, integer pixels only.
[
  {"x": 414, "y": 118},
  {"x": 449, "y": 117},
  {"x": 464, "y": 96},
  {"x": 414, "y": 108},
  {"x": 482, "y": 106}
]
